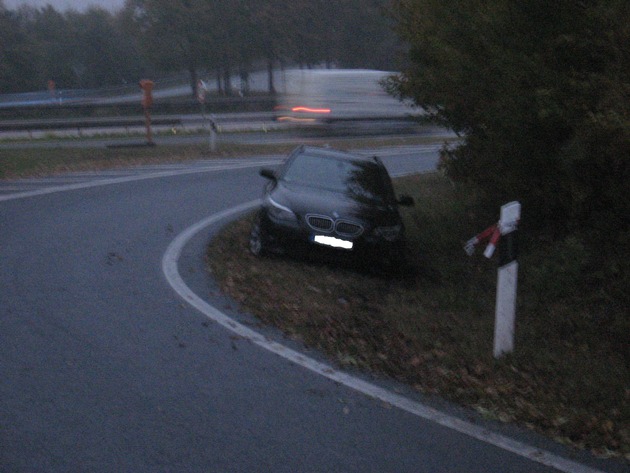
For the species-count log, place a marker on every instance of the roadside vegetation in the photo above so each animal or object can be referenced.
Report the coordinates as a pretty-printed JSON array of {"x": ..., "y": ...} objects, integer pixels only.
[
  {"x": 432, "y": 327},
  {"x": 32, "y": 161},
  {"x": 24, "y": 162}
]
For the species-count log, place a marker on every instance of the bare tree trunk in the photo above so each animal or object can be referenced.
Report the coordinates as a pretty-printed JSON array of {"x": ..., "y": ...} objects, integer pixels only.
[
  {"x": 272, "y": 88},
  {"x": 194, "y": 78},
  {"x": 219, "y": 83},
  {"x": 227, "y": 76}
]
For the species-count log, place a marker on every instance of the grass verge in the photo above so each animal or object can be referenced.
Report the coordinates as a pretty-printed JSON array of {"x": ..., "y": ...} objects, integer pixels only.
[
  {"x": 57, "y": 158},
  {"x": 568, "y": 377},
  {"x": 18, "y": 162}
]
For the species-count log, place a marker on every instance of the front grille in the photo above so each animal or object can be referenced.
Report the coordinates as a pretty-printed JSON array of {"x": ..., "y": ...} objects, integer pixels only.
[
  {"x": 320, "y": 223},
  {"x": 345, "y": 228}
]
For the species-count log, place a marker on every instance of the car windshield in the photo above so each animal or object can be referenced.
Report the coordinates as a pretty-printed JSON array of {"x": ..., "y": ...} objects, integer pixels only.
[{"x": 362, "y": 180}]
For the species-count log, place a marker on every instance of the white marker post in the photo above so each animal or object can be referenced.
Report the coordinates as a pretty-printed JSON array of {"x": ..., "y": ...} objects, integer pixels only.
[
  {"x": 507, "y": 276},
  {"x": 202, "y": 90}
]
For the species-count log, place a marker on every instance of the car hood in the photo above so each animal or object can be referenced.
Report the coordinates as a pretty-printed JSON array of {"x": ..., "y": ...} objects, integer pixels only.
[{"x": 338, "y": 205}]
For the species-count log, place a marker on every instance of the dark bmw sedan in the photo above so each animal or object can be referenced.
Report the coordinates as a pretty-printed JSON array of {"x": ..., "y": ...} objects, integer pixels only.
[{"x": 322, "y": 197}]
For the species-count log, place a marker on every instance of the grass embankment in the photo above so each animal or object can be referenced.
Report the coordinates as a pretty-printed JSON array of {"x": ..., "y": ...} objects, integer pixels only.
[
  {"x": 568, "y": 377},
  {"x": 60, "y": 158},
  {"x": 17, "y": 162}
]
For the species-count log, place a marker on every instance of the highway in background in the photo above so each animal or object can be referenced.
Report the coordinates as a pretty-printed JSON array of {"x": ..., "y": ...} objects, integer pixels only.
[{"x": 174, "y": 128}]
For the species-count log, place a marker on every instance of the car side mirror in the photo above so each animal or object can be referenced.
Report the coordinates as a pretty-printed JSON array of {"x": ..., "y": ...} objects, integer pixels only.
[
  {"x": 268, "y": 173},
  {"x": 406, "y": 200}
]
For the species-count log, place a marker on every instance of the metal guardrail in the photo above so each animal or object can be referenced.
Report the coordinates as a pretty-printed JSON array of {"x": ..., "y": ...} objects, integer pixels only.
[
  {"x": 81, "y": 123},
  {"x": 84, "y": 126},
  {"x": 224, "y": 122}
]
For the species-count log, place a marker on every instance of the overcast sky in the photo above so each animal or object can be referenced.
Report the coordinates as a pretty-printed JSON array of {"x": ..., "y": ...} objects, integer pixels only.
[{"x": 62, "y": 5}]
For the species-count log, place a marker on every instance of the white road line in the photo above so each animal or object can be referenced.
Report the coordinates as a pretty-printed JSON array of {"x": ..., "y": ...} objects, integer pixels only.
[
  {"x": 171, "y": 272},
  {"x": 38, "y": 181},
  {"x": 135, "y": 177}
]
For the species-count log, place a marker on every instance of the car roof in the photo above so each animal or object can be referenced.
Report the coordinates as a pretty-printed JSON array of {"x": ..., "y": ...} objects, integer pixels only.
[{"x": 334, "y": 153}]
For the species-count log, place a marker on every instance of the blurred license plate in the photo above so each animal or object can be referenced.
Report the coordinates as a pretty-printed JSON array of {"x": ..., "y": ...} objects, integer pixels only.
[{"x": 332, "y": 241}]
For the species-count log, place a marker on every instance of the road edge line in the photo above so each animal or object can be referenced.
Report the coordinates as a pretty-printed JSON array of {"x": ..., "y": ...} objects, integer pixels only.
[{"x": 170, "y": 270}]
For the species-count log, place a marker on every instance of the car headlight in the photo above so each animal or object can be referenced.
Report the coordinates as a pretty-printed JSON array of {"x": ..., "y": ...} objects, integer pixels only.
[
  {"x": 390, "y": 233},
  {"x": 279, "y": 212}
]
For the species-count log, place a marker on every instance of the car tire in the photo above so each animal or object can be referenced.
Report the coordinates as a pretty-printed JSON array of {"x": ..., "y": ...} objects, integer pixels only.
[{"x": 257, "y": 245}]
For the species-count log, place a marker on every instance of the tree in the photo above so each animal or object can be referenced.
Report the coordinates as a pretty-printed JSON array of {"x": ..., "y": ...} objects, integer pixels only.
[
  {"x": 364, "y": 37},
  {"x": 230, "y": 26},
  {"x": 101, "y": 54},
  {"x": 173, "y": 33},
  {"x": 538, "y": 90},
  {"x": 56, "y": 40},
  {"x": 277, "y": 23},
  {"x": 540, "y": 93},
  {"x": 18, "y": 54}
]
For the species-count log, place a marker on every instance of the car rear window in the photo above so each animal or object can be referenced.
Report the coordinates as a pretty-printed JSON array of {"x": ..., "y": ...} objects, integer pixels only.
[{"x": 361, "y": 179}]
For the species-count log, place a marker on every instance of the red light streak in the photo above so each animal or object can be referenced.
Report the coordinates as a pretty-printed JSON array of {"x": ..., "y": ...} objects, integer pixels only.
[{"x": 310, "y": 110}]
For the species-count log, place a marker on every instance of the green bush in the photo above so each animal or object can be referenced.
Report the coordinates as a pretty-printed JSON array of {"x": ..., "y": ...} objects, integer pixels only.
[{"x": 556, "y": 270}]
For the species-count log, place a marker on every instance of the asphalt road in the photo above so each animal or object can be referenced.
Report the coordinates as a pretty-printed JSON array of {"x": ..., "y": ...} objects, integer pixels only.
[{"x": 105, "y": 367}]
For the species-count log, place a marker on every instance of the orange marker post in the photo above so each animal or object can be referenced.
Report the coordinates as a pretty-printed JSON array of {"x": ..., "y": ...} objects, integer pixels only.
[{"x": 147, "y": 101}]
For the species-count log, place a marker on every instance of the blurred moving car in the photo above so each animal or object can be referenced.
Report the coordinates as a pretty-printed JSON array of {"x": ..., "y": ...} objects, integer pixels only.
[
  {"x": 321, "y": 197},
  {"x": 311, "y": 96}
]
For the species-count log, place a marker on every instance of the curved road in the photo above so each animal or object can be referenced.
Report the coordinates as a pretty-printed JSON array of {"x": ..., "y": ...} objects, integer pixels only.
[{"x": 105, "y": 367}]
